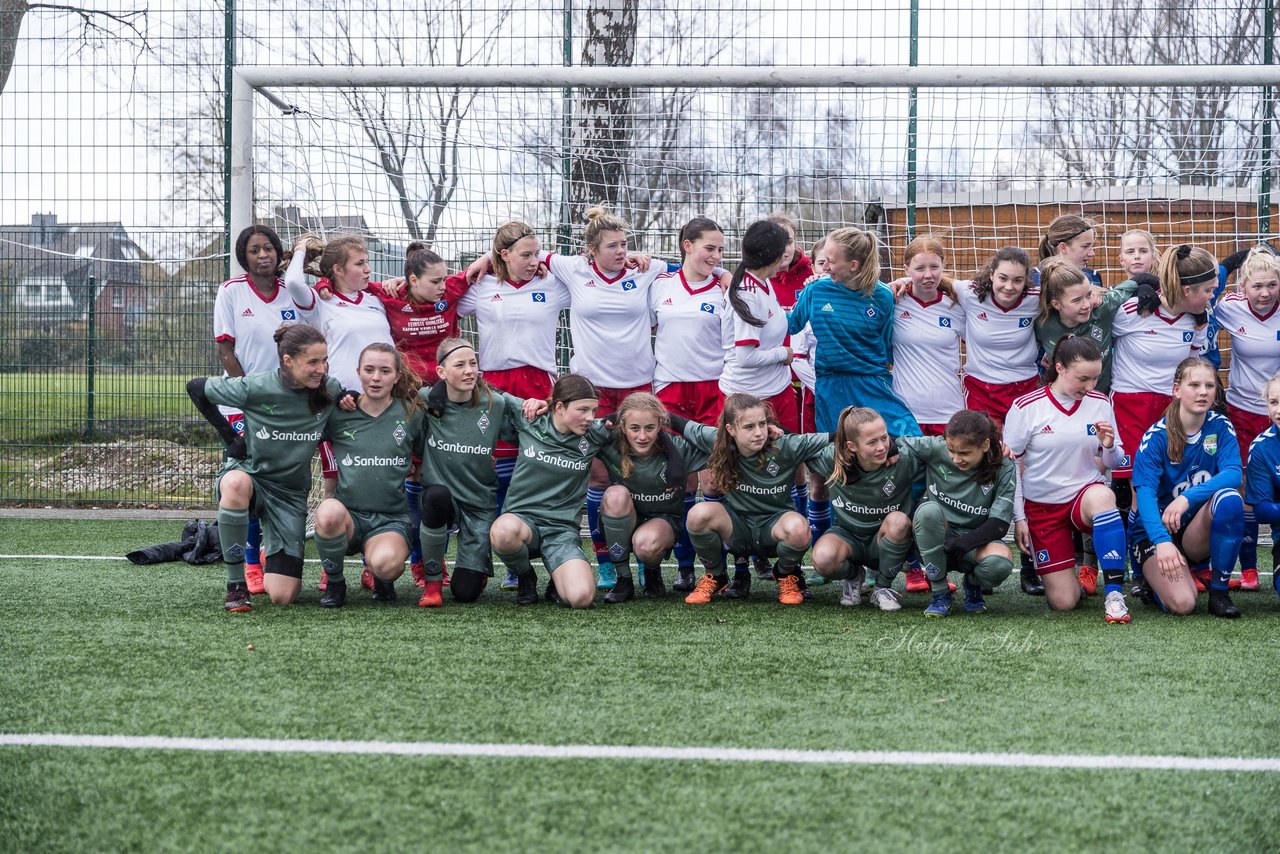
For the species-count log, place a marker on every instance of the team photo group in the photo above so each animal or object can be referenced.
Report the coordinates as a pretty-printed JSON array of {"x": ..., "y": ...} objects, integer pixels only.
[{"x": 879, "y": 421}]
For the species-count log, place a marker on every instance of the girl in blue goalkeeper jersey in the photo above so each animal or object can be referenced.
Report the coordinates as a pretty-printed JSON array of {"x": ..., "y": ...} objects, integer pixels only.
[
  {"x": 1186, "y": 478},
  {"x": 1262, "y": 475}
]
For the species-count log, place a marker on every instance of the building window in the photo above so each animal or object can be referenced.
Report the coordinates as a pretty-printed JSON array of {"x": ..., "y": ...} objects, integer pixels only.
[{"x": 117, "y": 298}]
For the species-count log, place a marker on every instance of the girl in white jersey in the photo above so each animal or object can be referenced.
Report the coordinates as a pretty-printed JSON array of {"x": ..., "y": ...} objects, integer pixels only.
[
  {"x": 1250, "y": 317},
  {"x": 1059, "y": 433},
  {"x": 246, "y": 312}
]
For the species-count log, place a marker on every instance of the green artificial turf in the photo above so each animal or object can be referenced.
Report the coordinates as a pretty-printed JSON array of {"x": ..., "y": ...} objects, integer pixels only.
[{"x": 102, "y": 647}]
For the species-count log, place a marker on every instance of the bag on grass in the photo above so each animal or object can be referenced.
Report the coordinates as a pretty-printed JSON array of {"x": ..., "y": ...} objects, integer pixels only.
[{"x": 199, "y": 545}]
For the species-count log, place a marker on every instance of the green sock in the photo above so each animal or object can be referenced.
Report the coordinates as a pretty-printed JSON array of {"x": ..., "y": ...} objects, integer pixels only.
[
  {"x": 617, "y": 532},
  {"x": 930, "y": 528},
  {"x": 433, "y": 544},
  {"x": 892, "y": 555},
  {"x": 992, "y": 570},
  {"x": 789, "y": 558},
  {"x": 233, "y": 532},
  {"x": 333, "y": 552},
  {"x": 517, "y": 561},
  {"x": 707, "y": 546}
]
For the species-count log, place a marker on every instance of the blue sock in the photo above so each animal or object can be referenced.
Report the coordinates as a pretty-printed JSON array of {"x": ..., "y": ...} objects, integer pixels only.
[
  {"x": 819, "y": 516},
  {"x": 1136, "y": 569},
  {"x": 505, "y": 467},
  {"x": 684, "y": 548},
  {"x": 594, "y": 496},
  {"x": 1225, "y": 532},
  {"x": 1110, "y": 546},
  {"x": 413, "y": 498},
  {"x": 1249, "y": 542},
  {"x": 713, "y": 496},
  {"x": 253, "y": 541},
  {"x": 800, "y": 498}
]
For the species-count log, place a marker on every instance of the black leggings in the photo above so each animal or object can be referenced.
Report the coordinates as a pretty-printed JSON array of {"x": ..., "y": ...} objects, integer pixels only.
[
  {"x": 284, "y": 564},
  {"x": 467, "y": 584},
  {"x": 437, "y": 506}
]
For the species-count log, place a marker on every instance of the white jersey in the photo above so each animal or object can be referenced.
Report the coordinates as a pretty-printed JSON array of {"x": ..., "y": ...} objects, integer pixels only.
[
  {"x": 1058, "y": 443},
  {"x": 1148, "y": 349},
  {"x": 350, "y": 322},
  {"x": 755, "y": 356},
  {"x": 688, "y": 345},
  {"x": 516, "y": 323},
  {"x": 609, "y": 321},
  {"x": 926, "y": 357},
  {"x": 1000, "y": 343},
  {"x": 805, "y": 349},
  {"x": 1255, "y": 350},
  {"x": 248, "y": 320}
]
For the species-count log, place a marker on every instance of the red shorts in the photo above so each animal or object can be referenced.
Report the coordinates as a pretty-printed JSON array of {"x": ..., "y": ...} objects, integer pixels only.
[
  {"x": 611, "y": 398},
  {"x": 1135, "y": 412},
  {"x": 527, "y": 382},
  {"x": 995, "y": 399},
  {"x": 808, "y": 413},
  {"x": 328, "y": 462},
  {"x": 697, "y": 401},
  {"x": 933, "y": 429},
  {"x": 1053, "y": 546},
  {"x": 785, "y": 409},
  {"x": 1248, "y": 425}
]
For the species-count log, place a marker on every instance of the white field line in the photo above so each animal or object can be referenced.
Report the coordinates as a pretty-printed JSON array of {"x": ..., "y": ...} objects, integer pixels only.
[{"x": 667, "y": 754}]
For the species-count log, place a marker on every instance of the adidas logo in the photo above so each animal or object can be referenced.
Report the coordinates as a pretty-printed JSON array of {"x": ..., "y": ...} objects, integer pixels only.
[
  {"x": 982, "y": 315},
  {"x": 1149, "y": 332},
  {"x": 1046, "y": 430},
  {"x": 1111, "y": 555},
  {"x": 496, "y": 298},
  {"x": 1241, "y": 331},
  {"x": 828, "y": 307},
  {"x": 408, "y": 309},
  {"x": 667, "y": 301},
  {"x": 906, "y": 315},
  {"x": 591, "y": 283},
  {"x": 248, "y": 312}
]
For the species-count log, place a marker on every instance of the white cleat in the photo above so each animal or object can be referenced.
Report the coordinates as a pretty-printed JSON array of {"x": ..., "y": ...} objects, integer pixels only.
[
  {"x": 886, "y": 599},
  {"x": 1115, "y": 608},
  {"x": 850, "y": 596}
]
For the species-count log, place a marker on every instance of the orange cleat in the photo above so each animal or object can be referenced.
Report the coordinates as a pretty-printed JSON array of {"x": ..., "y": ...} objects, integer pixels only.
[
  {"x": 419, "y": 573},
  {"x": 1201, "y": 578},
  {"x": 707, "y": 587},
  {"x": 366, "y": 579},
  {"x": 431, "y": 597},
  {"x": 324, "y": 581},
  {"x": 253, "y": 578},
  {"x": 1088, "y": 577},
  {"x": 916, "y": 582},
  {"x": 789, "y": 592},
  {"x": 1249, "y": 579}
]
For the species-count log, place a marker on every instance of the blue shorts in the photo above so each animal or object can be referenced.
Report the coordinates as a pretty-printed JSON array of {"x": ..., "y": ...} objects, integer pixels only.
[{"x": 833, "y": 392}]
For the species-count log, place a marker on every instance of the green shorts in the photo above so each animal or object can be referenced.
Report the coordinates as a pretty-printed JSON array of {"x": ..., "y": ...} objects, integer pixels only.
[
  {"x": 369, "y": 525},
  {"x": 283, "y": 514},
  {"x": 555, "y": 545},
  {"x": 474, "y": 552},
  {"x": 753, "y": 534},
  {"x": 864, "y": 550}
]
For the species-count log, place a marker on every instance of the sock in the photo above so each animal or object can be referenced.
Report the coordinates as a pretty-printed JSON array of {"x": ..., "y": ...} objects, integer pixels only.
[
  {"x": 233, "y": 530},
  {"x": 594, "y": 496},
  {"x": 891, "y": 557},
  {"x": 1225, "y": 533},
  {"x": 617, "y": 532},
  {"x": 706, "y": 544},
  {"x": 800, "y": 497},
  {"x": 434, "y": 542},
  {"x": 1249, "y": 542},
  {"x": 930, "y": 530},
  {"x": 819, "y": 516},
  {"x": 712, "y": 496},
  {"x": 333, "y": 552},
  {"x": 684, "y": 547},
  {"x": 789, "y": 558},
  {"x": 1088, "y": 550},
  {"x": 253, "y": 541},
  {"x": 413, "y": 497},
  {"x": 1109, "y": 540},
  {"x": 505, "y": 467},
  {"x": 517, "y": 561},
  {"x": 1078, "y": 543},
  {"x": 992, "y": 570}
]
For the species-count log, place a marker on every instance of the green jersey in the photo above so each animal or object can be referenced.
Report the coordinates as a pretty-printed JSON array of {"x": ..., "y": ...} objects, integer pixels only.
[
  {"x": 460, "y": 443},
  {"x": 648, "y": 481},
  {"x": 550, "y": 480},
  {"x": 1097, "y": 329},
  {"x": 374, "y": 454},
  {"x": 965, "y": 503},
  {"x": 280, "y": 430},
  {"x": 860, "y": 507},
  {"x": 765, "y": 479}
]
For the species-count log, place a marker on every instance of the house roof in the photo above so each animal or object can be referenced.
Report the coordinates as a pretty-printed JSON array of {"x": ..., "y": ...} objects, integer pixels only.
[{"x": 72, "y": 251}]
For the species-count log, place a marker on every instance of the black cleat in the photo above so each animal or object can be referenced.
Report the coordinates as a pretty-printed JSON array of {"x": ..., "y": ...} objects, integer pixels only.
[
  {"x": 765, "y": 571},
  {"x": 551, "y": 594},
  {"x": 238, "y": 600},
  {"x": 623, "y": 591},
  {"x": 685, "y": 580},
  {"x": 527, "y": 589},
  {"x": 384, "y": 592},
  {"x": 1031, "y": 584},
  {"x": 335, "y": 594},
  {"x": 1220, "y": 605},
  {"x": 1143, "y": 593},
  {"x": 653, "y": 586},
  {"x": 740, "y": 586}
]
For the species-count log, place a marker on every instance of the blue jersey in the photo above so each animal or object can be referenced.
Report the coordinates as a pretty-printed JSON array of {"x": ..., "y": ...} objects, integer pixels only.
[
  {"x": 1089, "y": 273},
  {"x": 853, "y": 330},
  {"x": 1262, "y": 477},
  {"x": 1210, "y": 461}
]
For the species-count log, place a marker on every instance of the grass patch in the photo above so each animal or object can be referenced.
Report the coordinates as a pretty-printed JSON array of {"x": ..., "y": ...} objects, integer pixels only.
[{"x": 50, "y": 407}]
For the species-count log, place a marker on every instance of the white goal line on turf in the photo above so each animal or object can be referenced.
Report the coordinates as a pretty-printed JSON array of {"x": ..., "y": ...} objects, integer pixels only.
[{"x": 672, "y": 754}]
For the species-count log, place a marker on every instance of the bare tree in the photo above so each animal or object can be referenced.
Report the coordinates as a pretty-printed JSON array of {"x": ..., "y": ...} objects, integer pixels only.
[
  {"x": 97, "y": 26},
  {"x": 1196, "y": 135}
]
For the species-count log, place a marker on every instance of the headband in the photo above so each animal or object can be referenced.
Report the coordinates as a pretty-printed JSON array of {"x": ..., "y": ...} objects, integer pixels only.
[
  {"x": 449, "y": 353},
  {"x": 1184, "y": 252}
]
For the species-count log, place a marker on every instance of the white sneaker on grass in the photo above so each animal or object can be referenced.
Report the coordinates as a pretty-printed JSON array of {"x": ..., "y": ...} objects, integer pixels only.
[
  {"x": 886, "y": 599},
  {"x": 850, "y": 595},
  {"x": 1115, "y": 609}
]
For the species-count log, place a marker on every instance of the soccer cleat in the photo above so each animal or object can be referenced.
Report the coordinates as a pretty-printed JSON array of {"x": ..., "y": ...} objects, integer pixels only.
[
  {"x": 623, "y": 591},
  {"x": 789, "y": 592},
  {"x": 815, "y": 579},
  {"x": 764, "y": 570},
  {"x": 951, "y": 586},
  {"x": 367, "y": 581},
  {"x": 684, "y": 579},
  {"x": 1031, "y": 584},
  {"x": 916, "y": 582},
  {"x": 706, "y": 587},
  {"x": 526, "y": 589},
  {"x": 323, "y": 584},
  {"x": 238, "y": 598},
  {"x": 510, "y": 581},
  {"x": 1114, "y": 608},
  {"x": 607, "y": 576},
  {"x": 384, "y": 592},
  {"x": 1220, "y": 605},
  {"x": 551, "y": 594},
  {"x": 335, "y": 595},
  {"x": 1248, "y": 579},
  {"x": 851, "y": 593},
  {"x": 1142, "y": 592},
  {"x": 739, "y": 587},
  {"x": 939, "y": 605},
  {"x": 973, "y": 601},
  {"x": 1202, "y": 578},
  {"x": 253, "y": 578},
  {"x": 444, "y": 573},
  {"x": 1088, "y": 577},
  {"x": 654, "y": 588},
  {"x": 886, "y": 599},
  {"x": 419, "y": 573},
  {"x": 431, "y": 597}
]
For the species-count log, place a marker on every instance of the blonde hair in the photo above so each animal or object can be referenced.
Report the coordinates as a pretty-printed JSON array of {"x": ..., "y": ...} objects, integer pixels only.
[
  {"x": 599, "y": 221},
  {"x": 1145, "y": 235},
  {"x": 1176, "y": 434},
  {"x": 637, "y": 401},
  {"x": 337, "y": 252},
  {"x": 1063, "y": 229},
  {"x": 1056, "y": 275},
  {"x": 507, "y": 235},
  {"x": 1259, "y": 260},
  {"x": 927, "y": 243},
  {"x": 863, "y": 247},
  {"x": 848, "y": 426},
  {"x": 1181, "y": 267}
]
